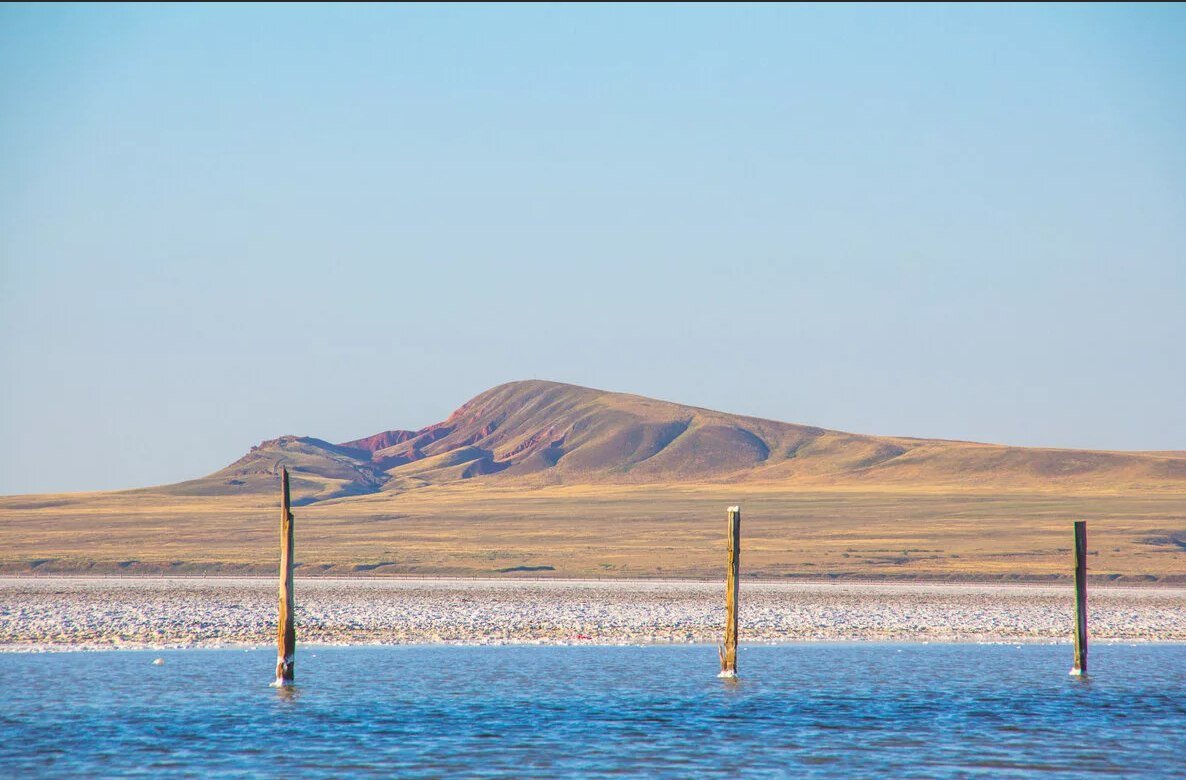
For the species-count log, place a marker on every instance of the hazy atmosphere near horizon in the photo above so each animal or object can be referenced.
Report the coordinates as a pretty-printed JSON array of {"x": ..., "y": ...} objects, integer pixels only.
[{"x": 220, "y": 225}]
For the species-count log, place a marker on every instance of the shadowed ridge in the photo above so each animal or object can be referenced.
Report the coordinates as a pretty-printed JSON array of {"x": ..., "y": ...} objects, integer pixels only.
[
  {"x": 318, "y": 470},
  {"x": 379, "y": 441}
]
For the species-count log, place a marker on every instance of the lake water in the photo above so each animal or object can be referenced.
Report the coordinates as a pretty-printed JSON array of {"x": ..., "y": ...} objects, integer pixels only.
[{"x": 825, "y": 710}]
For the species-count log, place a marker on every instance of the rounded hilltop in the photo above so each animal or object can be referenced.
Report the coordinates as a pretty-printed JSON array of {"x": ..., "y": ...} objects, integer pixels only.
[{"x": 536, "y": 432}]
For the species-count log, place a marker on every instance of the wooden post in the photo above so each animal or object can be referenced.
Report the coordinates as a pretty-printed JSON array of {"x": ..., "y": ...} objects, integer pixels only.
[
  {"x": 1080, "y": 667},
  {"x": 728, "y": 652},
  {"x": 286, "y": 634}
]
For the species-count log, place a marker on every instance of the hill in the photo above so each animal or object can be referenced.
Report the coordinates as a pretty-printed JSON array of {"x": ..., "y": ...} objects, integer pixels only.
[{"x": 541, "y": 433}]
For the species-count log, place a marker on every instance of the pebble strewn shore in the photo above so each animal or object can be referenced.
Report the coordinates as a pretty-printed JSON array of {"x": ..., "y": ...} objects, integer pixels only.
[{"x": 103, "y": 613}]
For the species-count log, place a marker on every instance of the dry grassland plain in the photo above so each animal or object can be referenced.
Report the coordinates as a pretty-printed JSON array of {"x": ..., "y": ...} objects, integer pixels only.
[{"x": 606, "y": 531}]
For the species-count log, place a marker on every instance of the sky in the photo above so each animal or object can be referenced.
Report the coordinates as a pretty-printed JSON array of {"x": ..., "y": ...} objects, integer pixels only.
[{"x": 220, "y": 224}]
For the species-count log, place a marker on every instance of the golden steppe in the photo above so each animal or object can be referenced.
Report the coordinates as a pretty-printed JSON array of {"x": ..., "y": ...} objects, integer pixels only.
[{"x": 609, "y": 531}]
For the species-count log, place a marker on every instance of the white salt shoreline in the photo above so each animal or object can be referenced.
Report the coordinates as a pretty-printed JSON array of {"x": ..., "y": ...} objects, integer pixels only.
[{"x": 99, "y": 613}]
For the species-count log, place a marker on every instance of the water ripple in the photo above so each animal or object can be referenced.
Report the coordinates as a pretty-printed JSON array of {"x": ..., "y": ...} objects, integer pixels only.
[{"x": 812, "y": 710}]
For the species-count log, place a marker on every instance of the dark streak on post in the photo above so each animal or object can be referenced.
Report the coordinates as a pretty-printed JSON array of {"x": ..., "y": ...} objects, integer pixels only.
[
  {"x": 1080, "y": 667},
  {"x": 286, "y": 634},
  {"x": 728, "y": 652}
]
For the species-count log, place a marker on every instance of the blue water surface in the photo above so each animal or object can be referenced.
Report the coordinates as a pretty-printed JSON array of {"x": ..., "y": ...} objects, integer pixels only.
[{"x": 815, "y": 710}]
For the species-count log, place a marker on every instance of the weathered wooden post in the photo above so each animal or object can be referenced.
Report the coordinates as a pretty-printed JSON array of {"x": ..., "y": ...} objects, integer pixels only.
[
  {"x": 1080, "y": 667},
  {"x": 286, "y": 634},
  {"x": 728, "y": 652}
]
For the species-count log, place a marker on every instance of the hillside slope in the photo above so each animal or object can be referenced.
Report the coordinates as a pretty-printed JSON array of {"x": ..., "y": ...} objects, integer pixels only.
[{"x": 538, "y": 433}]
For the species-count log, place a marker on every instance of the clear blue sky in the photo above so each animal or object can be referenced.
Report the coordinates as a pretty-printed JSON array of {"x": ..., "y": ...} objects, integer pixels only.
[{"x": 223, "y": 224}]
